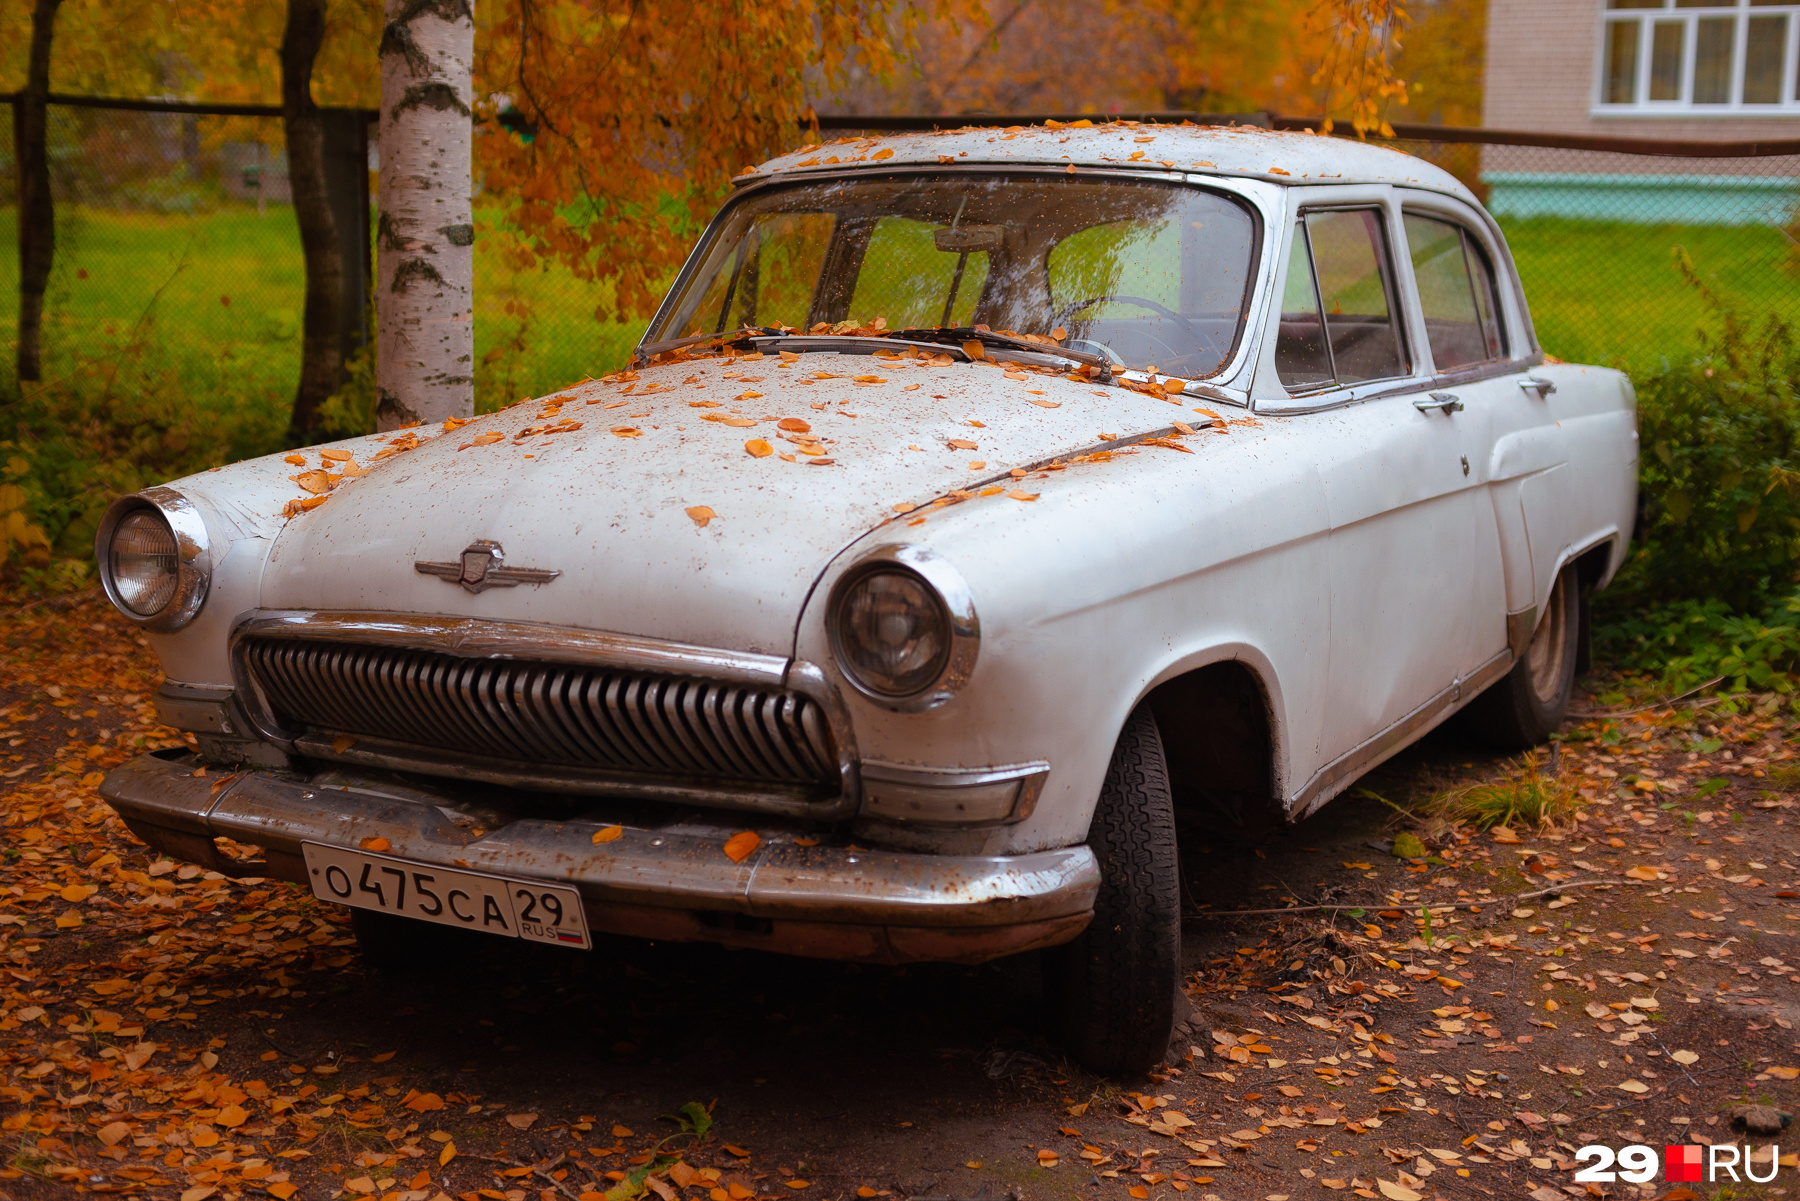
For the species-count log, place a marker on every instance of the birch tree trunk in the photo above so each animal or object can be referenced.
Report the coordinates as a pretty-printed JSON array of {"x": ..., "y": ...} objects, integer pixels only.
[{"x": 425, "y": 234}]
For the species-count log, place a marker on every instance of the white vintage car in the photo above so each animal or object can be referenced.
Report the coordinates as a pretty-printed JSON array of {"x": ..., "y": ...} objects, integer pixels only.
[{"x": 977, "y": 504}]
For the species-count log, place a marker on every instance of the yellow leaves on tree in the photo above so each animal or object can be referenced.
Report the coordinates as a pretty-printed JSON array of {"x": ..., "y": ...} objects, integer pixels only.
[{"x": 631, "y": 104}]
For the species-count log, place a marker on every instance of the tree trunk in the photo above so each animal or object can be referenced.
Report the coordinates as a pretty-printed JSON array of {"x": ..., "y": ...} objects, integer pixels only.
[
  {"x": 37, "y": 211},
  {"x": 322, "y": 357},
  {"x": 425, "y": 261}
]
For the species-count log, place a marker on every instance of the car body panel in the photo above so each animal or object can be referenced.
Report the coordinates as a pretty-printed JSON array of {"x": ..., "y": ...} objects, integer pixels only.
[{"x": 1370, "y": 563}]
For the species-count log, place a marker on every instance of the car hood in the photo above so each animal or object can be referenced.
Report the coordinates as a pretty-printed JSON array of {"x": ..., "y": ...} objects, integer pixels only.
[{"x": 661, "y": 522}]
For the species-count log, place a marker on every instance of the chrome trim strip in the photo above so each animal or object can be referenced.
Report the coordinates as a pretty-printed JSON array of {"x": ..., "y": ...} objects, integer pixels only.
[
  {"x": 1520, "y": 627},
  {"x": 1339, "y": 774},
  {"x": 1338, "y": 398},
  {"x": 959, "y": 606},
  {"x": 611, "y": 720},
  {"x": 1031, "y": 777},
  {"x": 193, "y": 547}
]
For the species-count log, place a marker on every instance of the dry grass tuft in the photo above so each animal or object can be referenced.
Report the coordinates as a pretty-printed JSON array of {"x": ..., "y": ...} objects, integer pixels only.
[{"x": 1528, "y": 798}]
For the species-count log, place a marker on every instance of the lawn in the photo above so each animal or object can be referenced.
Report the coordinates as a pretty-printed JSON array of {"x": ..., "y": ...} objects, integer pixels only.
[
  {"x": 212, "y": 302},
  {"x": 1610, "y": 293}
]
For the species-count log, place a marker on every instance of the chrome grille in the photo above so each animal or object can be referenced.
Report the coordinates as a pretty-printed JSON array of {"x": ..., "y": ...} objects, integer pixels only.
[{"x": 597, "y": 724}]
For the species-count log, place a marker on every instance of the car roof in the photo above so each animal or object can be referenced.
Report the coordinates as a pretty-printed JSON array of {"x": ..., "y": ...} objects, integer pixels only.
[{"x": 1238, "y": 150}]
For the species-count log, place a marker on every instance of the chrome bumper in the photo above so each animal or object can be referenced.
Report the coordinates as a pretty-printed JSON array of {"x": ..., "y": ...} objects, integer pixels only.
[{"x": 671, "y": 881}]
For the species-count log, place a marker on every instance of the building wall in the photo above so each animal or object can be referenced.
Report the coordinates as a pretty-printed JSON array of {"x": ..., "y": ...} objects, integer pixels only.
[{"x": 1542, "y": 61}]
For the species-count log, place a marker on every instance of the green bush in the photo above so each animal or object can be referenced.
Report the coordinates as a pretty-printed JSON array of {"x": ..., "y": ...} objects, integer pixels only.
[
  {"x": 1686, "y": 644},
  {"x": 1720, "y": 468}
]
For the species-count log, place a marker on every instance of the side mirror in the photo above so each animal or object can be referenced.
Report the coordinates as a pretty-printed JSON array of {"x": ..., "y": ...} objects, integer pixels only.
[{"x": 966, "y": 239}]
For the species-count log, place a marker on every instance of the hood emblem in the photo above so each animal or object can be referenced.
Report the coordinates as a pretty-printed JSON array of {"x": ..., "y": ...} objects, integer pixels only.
[{"x": 483, "y": 567}]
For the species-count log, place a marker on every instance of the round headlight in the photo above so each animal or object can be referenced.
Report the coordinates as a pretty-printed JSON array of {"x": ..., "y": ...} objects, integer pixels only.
[
  {"x": 903, "y": 628},
  {"x": 145, "y": 562},
  {"x": 893, "y": 634},
  {"x": 155, "y": 558}
]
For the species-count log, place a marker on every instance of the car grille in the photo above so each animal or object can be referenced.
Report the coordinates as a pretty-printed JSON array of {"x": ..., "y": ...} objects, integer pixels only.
[{"x": 597, "y": 724}]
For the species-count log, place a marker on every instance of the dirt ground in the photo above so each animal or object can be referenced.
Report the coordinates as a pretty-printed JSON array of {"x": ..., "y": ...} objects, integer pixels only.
[{"x": 175, "y": 1034}]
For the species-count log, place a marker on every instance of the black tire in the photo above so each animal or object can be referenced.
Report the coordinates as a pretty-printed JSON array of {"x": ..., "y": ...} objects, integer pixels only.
[
  {"x": 1529, "y": 703},
  {"x": 402, "y": 945},
  {"x": 1114, "y": 987}
]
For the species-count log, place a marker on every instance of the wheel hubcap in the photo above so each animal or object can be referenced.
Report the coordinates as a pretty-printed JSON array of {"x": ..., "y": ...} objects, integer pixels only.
[{"x": 1548, "y": 653}]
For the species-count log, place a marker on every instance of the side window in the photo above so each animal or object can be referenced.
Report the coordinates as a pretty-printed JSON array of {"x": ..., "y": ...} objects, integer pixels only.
[
  {"x": 1302, "y": 360},
  {"x": 1456, "y": 291},
  {"x": 1337, "y": 313}
]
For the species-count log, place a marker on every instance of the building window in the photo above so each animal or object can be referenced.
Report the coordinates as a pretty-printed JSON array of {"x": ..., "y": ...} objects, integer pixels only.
[{"x": 1700, "y": 57}]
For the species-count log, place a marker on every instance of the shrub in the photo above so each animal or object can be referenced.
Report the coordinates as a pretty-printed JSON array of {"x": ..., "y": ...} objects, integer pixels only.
[{"x": 1720, "y": 468}]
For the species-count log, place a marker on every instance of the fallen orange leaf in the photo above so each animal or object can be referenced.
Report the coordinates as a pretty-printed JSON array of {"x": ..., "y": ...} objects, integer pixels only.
[
  {"x": 701, "y": 514},
  {"x": 374, "y": 844},
  {"x": 741, "y": 846}
]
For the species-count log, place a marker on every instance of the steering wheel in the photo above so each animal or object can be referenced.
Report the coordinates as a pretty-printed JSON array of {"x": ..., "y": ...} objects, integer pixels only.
[
  {"x": 1063, "y": 313},
  {"x": 1163, "y": 350}
]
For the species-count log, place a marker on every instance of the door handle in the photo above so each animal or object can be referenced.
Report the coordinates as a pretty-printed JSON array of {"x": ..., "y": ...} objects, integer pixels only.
[
  {"x": 1542, "y": 387},
  {"x": 1443, "y": 401}
]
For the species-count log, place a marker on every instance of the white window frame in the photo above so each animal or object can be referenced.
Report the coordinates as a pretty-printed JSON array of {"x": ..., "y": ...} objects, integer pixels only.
[{"x": 1740, "y": 12}]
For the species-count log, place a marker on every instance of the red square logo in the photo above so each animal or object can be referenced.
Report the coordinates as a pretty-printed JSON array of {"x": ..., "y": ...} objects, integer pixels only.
[{"x": 1682, "y": 1163}]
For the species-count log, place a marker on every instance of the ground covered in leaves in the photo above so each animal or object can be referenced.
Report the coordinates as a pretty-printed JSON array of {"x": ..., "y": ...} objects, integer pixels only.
[{"x": 1451, "y": 1025}]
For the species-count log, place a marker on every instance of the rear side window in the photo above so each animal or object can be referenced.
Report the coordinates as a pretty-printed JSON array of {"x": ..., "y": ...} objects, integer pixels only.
[
  {"x": 1456, "y": 292},
  {"x": 1337, "y": 315}
]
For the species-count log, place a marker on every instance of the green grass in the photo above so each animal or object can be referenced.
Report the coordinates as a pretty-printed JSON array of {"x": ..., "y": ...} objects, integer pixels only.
[
  {"x": 213, "y": 300},
  {"x": 1609, "y": 293}
]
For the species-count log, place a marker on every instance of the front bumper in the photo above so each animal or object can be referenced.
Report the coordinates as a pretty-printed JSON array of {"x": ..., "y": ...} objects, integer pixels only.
[{"x": 670, "y": 880}]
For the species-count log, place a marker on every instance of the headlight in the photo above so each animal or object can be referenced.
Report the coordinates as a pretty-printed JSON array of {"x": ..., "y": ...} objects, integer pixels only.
[
  {"x": 155, "y": 563},
  {"x": 144, "y": 564},
  {"x": 903, "y": 628}
]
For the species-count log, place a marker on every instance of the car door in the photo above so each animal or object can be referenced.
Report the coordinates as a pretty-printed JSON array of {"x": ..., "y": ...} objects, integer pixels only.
[
  {"x": 1519, "y": 453},
  {"x": 1412, "y": 552}
]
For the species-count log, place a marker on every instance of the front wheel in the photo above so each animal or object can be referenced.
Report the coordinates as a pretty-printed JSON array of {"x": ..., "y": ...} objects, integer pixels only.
[
  {"x": 1527, "y": 706},
  {"x": 1114, "y": 987}
]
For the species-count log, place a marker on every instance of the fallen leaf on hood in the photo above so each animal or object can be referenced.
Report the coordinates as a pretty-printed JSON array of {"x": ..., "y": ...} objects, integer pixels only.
[
  {"x": 793, "y": 425},
  {"x": 374, "y": 844},
  {"x": 1173, "y": 386},
  {"x": 342, "y": 743},
  {"x": 338, "y": 456},
  {"x": 1044, "y": 404},
  {"x": 315, "y": 482},
  {"x": 609, "y": 834},
  {"x": 627, "y": 431},
  {"x": 758, "y": 448},
  {"x": 977, "y": 464},
  {"x": 962, "y": 444},
  {"x": 701, "y": 514},
  {"x": 749, "y": 396},
  {"x": 1021, "y": 494},
  {"x": 741, "y": 846},
  {"x": 905, "y": 506},
  {"x": 296, "y": 460}
]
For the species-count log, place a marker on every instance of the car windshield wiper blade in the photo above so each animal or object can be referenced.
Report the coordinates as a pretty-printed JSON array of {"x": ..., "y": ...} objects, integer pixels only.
[
  {"x": 848, "y": 343},
  {"x": 645, "y": 350},
  {"x": 956, "y": 335}
]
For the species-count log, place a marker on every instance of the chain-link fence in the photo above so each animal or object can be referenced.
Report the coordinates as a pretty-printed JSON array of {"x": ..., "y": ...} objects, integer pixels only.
[
  {"x": 178, "y": 258},
  {"x": 178, "y": 265},
  {"x": 1602, "y": 238}
]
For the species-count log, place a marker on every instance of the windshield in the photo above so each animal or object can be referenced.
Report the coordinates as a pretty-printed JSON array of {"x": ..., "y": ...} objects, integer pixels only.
[{"x": 1144, "y": 273}]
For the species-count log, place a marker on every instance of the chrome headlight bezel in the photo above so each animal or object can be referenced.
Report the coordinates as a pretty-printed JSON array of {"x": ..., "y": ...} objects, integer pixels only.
[
  {"x": 193, "y": 555},
  {"x": 956, "y": 602}
]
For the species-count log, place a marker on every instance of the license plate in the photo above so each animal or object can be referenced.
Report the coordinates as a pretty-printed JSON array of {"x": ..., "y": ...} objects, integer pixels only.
[{"x": 528, "y": 909}]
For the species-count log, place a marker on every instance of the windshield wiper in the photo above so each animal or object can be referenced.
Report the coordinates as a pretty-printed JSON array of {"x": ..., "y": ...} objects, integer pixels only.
[
  {"x": 956, "y": 335},
  {"x": 645, "y": 351}
]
